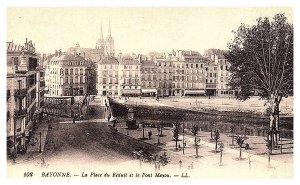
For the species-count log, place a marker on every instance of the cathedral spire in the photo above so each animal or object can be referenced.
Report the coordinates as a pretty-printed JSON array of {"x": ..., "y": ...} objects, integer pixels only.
[
  {"x": 101, "y": 33},
  {"x": 109, "y": 30}
]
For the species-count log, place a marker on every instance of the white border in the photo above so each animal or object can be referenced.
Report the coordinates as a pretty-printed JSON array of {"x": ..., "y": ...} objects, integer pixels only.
[{"x": 136, "y": 3}]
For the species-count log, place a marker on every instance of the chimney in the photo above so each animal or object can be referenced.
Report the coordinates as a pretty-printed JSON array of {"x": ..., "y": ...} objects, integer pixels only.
[
  {"x": 56, "y": 53},
  {"x": 83, "y": 54},
  {"x": 216, "y": 59},
  {"x": 190, "y": 52},
  {"x": 59, "y": 52}
]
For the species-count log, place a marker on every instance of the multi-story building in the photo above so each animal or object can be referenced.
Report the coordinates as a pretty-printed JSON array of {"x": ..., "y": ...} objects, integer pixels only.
[
  {"x": 24, "y": 94},
  {"x": 190, "y": 68},
  {"x": 211, "y": 81},
  {"x": 108, "y": 76},
  {"x": 148, "y": 77},
  {"x": 66, "y": 75},
  {"x": 164, "y": 76},
  {"x": 130, "y": 76},
  {"x": 223, "y": 89}
]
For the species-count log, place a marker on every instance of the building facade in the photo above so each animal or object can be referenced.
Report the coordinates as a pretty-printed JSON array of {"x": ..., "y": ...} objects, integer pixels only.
[
  {"x": 148, "y": 77},
  {"x": 130, "y": 76},
  {"x": 24, "y": 94},
  {"x": 66, "y": 75},
  {"x": 108, "y": 76}
]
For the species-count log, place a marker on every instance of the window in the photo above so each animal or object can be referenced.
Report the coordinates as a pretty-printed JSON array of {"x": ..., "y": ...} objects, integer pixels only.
[
  {"x": 80, "y": 81},
  {"x": 81, "y": 71},
  {"x": 221, "y": 67},
  {"x": 76, "y": 71},
  {"x": 191, "y": 65},
  {"x": 67, "y": 80},
  {"x": 71, "y": 71},
  {"x": 196, "y": 65},
  {"x": 61, "y": 71},
  {"x": 66, "y": 71}
]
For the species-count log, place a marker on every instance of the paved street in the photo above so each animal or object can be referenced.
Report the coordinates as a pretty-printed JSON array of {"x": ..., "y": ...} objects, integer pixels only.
[{"x": 89, "y": 145}]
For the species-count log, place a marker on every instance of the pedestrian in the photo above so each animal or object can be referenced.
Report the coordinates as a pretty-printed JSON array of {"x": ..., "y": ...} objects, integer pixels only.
[
  {"x": 150, "y": 134},
  {"x": 43, "y": 163},
  {"x": 180, "y": 164}
]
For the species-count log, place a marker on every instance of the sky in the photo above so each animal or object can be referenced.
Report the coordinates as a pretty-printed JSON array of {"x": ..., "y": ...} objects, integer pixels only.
[{"x": 135, "y": 30}]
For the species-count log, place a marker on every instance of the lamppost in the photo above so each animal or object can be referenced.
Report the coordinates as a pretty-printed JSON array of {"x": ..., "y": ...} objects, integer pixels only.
[
  {"x": 183, "y": 144},
  {"x": 158, "y": 130},
  {"x": 40, "y": 142}
]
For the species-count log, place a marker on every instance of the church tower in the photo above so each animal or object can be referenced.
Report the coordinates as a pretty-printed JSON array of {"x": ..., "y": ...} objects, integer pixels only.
[
  {"x": 110, "y": 48},
  {"x": 100, "y": 45}
]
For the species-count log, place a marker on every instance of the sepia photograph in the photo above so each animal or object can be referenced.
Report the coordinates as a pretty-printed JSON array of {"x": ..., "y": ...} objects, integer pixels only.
[{"x": 149, "y": 92}]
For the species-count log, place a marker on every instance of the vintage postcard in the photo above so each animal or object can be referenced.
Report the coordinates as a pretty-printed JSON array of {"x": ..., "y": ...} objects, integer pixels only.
[{"x": 141, "y": 92}]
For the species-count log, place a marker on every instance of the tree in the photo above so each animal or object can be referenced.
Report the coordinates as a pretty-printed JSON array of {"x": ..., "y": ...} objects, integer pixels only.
[
  {"x": 240, "y": 139},
  {"x": 161, "y": 126},
  {"x": 176, "y": 129},
  {"x": 216, "y": 138},
  {"x": 221, "y": 148},
  {"x": 195, "y": 129},
  {"x": 212, "y": 126},
  {"x": 232, "y": 129},
  {"x": 261, "y": 58}
]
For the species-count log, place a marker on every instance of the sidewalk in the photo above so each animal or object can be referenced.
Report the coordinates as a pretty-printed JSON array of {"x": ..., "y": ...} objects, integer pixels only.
[
  {"x": 33, "y": 150},
  {"x": 256, "y": 159}
]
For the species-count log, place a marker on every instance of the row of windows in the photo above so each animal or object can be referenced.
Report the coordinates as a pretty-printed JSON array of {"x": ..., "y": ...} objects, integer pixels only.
[
  {"x": 69, "y": 63},
  {"x": 81, "y": 71},
  {"x": 75, "y": 80}
]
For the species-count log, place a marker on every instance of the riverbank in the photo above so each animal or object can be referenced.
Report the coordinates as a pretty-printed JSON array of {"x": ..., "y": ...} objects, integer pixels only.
[{"x": 165, "y": 114}]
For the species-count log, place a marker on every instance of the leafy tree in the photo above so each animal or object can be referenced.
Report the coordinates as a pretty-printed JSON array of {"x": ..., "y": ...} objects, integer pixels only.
[
  {"x": 240, "y": 139},
  {"x": 221, "y": 148},
  {"x": 261, "y": 58},
  {"x": 176, "y": 129},
  {"x": 195, "y": 130}
]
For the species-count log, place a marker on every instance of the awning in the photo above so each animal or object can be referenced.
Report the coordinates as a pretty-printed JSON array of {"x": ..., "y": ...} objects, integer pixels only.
[
  {"x": 131, "y": 91},
  {"x": 194, "y": 92},
  {"x": 149, "y": 90}
]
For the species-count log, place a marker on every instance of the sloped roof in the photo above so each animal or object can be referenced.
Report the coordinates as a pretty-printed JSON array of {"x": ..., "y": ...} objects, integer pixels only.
[
  {"x": 129, "y": 61},
  {"x": 68, "y": 57},
  {"x": 109, "y": 60}
]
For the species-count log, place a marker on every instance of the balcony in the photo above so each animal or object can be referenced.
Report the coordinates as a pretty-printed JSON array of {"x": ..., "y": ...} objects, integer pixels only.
[
  {"x": 20, "y": 93},
  {"x": 21, "y": 113}
]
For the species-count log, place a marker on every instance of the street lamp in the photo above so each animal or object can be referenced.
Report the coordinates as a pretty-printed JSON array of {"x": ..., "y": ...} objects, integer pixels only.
[{"x": 40, "y": 142}]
